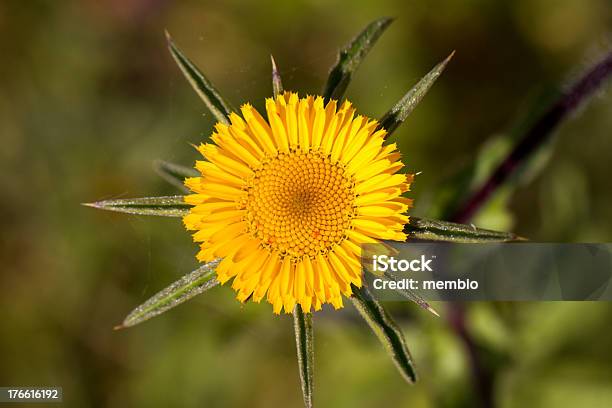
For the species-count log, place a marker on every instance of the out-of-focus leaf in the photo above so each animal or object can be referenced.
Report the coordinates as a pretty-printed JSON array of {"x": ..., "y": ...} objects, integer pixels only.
[
  {"x": 180, "y": 291},
  {"x": 304, "y": 340},
  {"x": 435, "y": 230},
  {"x": 277, "y": 83},
  {"x": 398, "y": 113},
  {"x": 495, "y": 214},
  {"x": 350, "y": 57},
  {"x": 538, "y": 134},
  {"x": 386, "y": 330},
  {"x": 170, "y": 206},
  {"x": 203, "y": 87},
  {"x": 174, "y": 174}
]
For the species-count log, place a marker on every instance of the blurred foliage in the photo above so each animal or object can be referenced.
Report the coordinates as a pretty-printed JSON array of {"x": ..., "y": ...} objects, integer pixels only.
[{"x": 89, "y": 97}]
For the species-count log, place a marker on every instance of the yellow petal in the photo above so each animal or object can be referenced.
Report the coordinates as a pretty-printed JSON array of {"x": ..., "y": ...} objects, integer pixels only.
[{"x": 258, "y": 128}]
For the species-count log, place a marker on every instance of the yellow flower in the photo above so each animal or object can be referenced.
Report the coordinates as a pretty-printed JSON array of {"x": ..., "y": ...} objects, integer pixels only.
[{"x": 287, "y": 201}]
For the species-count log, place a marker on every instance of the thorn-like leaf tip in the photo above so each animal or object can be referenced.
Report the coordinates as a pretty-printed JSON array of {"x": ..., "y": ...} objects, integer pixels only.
[
  {"x": 277, "y": 84},
  {"x": 400, "y": 111},
  {"x": 433, "y": 311}
]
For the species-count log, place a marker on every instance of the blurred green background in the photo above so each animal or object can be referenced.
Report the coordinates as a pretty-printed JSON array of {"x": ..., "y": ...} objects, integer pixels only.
[{"x": 89, "y": 97}]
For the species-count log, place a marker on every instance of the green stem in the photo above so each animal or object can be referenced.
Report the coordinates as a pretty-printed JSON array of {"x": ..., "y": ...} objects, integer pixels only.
[{"x": 304, "y": 340}]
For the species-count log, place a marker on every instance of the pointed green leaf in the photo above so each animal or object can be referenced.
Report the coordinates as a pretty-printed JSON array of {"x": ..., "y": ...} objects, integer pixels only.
[
  {"x": 411, "y": 295},
  {"x": 304, "y": 340},
  {"x": 180, "y": 291},
  {"x": 170, "y": 206},
  {"x": 350, "y": 57},
  {"x": 435, "y": 230},
  {"x": 174, "y": 174},
  {"x": 396, "y": 116},
  {"x": 277, "y": 84},
  {"x": 203, "y": 87},
  {"x": 386, "y": 330}
]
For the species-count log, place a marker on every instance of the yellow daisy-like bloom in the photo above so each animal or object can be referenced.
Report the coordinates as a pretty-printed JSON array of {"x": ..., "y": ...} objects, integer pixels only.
[{"x": 287, "y": 201}]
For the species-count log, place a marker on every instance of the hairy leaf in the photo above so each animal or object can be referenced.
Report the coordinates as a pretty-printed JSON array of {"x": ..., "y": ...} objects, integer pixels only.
[
  {"x": 435, "y": 230},
  {"x": 386, "y": 330},
  {"x": 170, "y": 206},
  {"x": 203, "y": 87},
  {"x": 398, "y": 113},
  {"x": 412, "y": 295},
  {"x": 350, "y": 57},
  {"x": 180, "y": 291}
]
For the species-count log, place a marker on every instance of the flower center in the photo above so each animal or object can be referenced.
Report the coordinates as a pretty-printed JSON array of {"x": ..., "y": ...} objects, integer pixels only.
[{"x": 299, "y": 204}]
